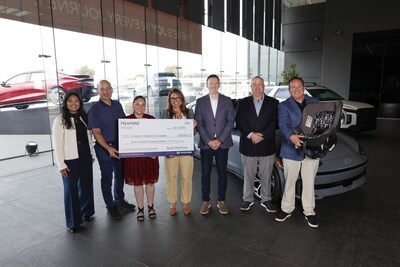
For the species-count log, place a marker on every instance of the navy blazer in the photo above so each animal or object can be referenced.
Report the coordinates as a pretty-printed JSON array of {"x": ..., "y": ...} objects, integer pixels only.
[
  {"x": 266, "y": 123},
  {"x": 289, "y": 117},
  {"x": 221, "y": 125}
]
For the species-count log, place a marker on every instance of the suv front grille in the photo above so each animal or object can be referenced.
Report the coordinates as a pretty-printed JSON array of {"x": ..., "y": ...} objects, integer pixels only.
[{"x": 366, "y": 116}]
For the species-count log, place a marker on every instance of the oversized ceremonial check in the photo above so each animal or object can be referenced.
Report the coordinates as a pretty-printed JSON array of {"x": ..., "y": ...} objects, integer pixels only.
[{"x": 155, "y": 137}]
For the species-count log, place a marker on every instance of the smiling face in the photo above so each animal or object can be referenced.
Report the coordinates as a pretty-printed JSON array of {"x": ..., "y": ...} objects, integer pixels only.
[
  {"x": 175, "y": 101},
  {"x": 139, "y": 107},
  {"x": 296, "y": 89},
  {"x": 213, "y": 85},
  {"x": 105, "y": 91},
  {"x": 73, "y": 104},
  {"x": 257, "y": 87}
]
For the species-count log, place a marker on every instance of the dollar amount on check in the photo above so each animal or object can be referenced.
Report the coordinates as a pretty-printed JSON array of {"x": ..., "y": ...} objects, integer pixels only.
[{"x": 155, "y": 137}]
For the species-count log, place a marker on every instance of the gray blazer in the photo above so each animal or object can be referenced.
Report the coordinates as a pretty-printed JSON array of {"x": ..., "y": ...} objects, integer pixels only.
[{"x": 219, "y": 127}]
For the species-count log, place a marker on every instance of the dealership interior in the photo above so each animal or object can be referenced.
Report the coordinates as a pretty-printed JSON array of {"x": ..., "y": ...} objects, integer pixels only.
[{"x": 148, "y": 47}]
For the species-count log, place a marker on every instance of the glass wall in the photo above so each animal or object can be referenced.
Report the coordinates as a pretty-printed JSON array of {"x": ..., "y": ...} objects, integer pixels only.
[
  {"x": 28, "y": 62},
  {"x": 141, "y": 51}
]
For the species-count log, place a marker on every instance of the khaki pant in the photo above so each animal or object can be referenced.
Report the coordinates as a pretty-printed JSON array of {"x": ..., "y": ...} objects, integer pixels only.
[
  {"x": 308, "y": 169},
  {"x": 172, "y": 167}
]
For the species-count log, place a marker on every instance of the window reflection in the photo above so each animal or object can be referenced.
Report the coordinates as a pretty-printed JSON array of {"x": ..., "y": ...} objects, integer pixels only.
[{"x": 143, "y": 53}]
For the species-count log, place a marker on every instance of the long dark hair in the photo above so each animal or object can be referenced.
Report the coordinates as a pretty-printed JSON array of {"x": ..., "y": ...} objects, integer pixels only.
[
  {"x": 67, "y": 115},
  {"x": 183, "y": 108}
]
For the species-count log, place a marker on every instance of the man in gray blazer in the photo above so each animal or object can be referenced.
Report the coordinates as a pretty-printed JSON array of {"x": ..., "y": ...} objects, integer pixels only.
[{"x": 215, "y": 116}]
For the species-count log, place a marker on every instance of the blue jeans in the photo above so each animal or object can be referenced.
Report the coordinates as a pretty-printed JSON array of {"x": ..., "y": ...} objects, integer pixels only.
[
  {"x": 78, "y": 188},
  {"x": 108, "y": 167},
  {"x": 221, "y": 160}
]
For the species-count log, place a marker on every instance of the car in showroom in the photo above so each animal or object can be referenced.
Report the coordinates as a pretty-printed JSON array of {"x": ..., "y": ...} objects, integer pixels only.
[
  {"x": 159, "y": 84},
  {"x": 356, "y": 116},
  {"x": 32, "y": 87},
  {"x": 341, "y": 170}
]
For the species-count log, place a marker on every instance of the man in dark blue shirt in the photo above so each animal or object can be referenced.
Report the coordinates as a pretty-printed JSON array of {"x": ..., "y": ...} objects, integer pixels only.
[{"x": 103, "y": 121}]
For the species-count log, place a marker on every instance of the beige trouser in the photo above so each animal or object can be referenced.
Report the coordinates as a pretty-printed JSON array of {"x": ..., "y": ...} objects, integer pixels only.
[
  {"x": 308, "y": 169},
  {"x": 172, "y": 166}
]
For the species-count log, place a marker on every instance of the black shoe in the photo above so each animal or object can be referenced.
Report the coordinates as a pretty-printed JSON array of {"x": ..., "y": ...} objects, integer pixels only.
[
  {"x": 114, "y": 213},
  {"x": 87, "y": 218},
  {"x": 72, "y": 229},
  {"x": 312, "y": 221},
  {"x": 125, "y": 206},
  {"x": 246, "y": 205},
  {"x": 269, "y": 206},
  {"x": 282, "y": 216}
]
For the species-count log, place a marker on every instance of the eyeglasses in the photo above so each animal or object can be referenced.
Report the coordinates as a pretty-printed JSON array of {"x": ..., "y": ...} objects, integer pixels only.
[{"x": 174, "y": 98}]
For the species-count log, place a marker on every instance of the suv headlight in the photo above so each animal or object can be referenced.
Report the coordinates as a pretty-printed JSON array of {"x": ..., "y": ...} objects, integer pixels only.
[{"x": 345, "y": 118}]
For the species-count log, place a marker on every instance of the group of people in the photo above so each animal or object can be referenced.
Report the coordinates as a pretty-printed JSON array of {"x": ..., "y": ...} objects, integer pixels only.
[{"x": 257, "y": 118}]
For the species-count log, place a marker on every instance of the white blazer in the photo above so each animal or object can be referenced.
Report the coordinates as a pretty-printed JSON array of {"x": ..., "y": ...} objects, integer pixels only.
[{"x": 65, "y": 143}]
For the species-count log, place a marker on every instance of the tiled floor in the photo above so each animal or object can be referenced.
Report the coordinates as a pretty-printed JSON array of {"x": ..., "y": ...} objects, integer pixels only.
[{"x": 359, "y": 228}]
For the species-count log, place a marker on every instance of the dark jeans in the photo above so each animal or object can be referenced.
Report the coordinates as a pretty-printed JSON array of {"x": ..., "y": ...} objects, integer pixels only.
[
  {"x": 221, "y": 159},
  {"x": 78, "y": 188},
  {"x": 108, "y": 167}
]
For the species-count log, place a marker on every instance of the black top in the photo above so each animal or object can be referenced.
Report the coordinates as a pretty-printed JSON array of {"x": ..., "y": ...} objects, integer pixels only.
[
  {"x": 301, "y": 105},
  {"x": 81, "y": 129}
]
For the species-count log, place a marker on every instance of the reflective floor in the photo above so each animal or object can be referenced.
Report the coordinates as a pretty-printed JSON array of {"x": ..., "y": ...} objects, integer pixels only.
[{"x": 359, "y": 228}]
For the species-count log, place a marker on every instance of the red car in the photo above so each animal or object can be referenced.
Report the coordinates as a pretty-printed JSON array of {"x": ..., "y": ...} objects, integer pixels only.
[{"x": 33, "y": 87}]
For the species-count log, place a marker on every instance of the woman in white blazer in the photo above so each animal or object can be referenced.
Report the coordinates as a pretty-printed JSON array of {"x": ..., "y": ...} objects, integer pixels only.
[{"x": 74, "y": 154}]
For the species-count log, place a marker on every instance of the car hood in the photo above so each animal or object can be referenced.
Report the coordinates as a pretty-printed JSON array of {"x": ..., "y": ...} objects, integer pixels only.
[
  {"x": 353, "y": 105},
  {"x": 345, "y": 155}
]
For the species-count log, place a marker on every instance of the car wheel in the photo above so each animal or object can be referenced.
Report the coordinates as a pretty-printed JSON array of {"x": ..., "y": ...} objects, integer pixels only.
[
  {"x": 299, "y": 188},
  {"x": 22, "y": 106},
  {"x": 276, "y": 187},
  {"x": 57, "y": 95},
  {"x": 257, "y": 187}
]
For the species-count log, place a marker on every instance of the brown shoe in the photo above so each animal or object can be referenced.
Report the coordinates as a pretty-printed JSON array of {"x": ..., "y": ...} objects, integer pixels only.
[
  {"x": 222, "y": 207},
  {"x": 205, "y": 207},
  {"x": 186, "y": 209},
  {"x": 172, "y": 209}
]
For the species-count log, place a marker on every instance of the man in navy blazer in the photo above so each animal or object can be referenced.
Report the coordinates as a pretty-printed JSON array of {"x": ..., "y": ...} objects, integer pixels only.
[
  {"x": 215, "y": 116},
  {"x": 290, "y": 114},
  {"x": 256, "y": 119}
]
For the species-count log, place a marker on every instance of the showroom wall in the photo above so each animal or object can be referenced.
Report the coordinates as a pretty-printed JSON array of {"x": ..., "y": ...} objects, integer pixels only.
[
  {"x": 328, "y": 60},
  {"x": 302, "y": 40}
]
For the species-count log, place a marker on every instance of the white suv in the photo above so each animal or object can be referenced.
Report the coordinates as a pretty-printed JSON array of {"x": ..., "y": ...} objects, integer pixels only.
[
  {"x": 159, "y": 84},
  {"x": 163, "y": 82},
  {"x": 356, "y": 115}
]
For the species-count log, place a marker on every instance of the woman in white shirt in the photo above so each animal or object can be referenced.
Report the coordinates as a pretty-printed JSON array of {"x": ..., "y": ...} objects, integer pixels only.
[{"x": 74, "y": 156}]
